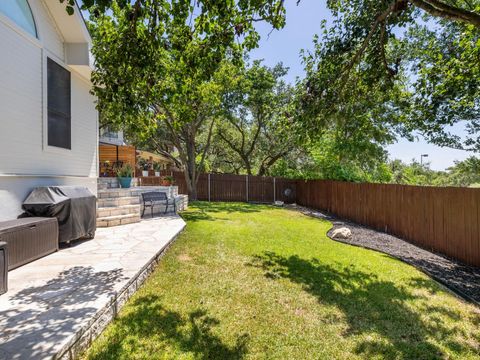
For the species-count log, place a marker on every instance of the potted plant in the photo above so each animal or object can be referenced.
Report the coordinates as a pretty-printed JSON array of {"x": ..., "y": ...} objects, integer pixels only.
[
  {"x": 170, "y": 179},
  {"x": 167, "y": 181},
  {"x": 125, "y": 175},
  {"x": 157, "y": 167},
  {"x": 144, "y": 165}
]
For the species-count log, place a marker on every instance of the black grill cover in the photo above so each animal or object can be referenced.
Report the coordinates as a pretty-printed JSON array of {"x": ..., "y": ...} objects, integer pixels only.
[{"x": 74, "y": 207}]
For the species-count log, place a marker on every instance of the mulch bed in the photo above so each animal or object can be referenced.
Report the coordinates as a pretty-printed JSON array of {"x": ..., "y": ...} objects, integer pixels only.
[{"x": 462, "y": 279}]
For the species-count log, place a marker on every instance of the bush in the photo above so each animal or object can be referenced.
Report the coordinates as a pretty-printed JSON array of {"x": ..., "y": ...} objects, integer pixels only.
[
  {"x": 157, "y": 166},
  {"x": 125, "y": 171},
  {"x": 170, "y": 179}
]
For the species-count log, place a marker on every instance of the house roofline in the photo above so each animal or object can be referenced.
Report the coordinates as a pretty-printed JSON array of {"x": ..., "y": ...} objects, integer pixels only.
[{"x": 73, "y": 28}]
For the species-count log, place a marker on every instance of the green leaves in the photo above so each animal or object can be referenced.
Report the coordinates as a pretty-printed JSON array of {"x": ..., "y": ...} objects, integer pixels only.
[
  {"x": 257, "y": 130},
  {"x": 462, "y": 173},
  {"x": 70, "y": 4},
  {"x": 155, "y": 50},
  {"x": 391, "y": 62},
  {"x": 157, "y": 66}
]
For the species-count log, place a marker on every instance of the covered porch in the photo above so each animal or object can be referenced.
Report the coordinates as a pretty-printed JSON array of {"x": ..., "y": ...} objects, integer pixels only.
[{"x": 112, "y": 156}]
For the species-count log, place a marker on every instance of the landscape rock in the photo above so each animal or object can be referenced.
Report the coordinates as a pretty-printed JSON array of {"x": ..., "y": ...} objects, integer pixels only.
[{"x": 342, "y": 233}]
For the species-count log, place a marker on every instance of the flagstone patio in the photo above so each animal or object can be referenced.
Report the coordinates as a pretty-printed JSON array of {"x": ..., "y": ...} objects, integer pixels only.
[{"x": 57, "y": 305}]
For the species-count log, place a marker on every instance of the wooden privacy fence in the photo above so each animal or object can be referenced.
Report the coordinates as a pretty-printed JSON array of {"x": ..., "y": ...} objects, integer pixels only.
[
  {"x": 226, "y": 187},
  {"x": 444, "y": 220},
  {"x": 440, "y": 219},
  {"x": 112, "y": 156}
]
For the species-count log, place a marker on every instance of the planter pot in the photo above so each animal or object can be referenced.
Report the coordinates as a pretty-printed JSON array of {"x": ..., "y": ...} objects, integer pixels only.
[
  {"x": 165, "y": 183},
  {"x": 125, "y": 182},
  {"x": 157, "y": 173},
  {"x": 145, "y": 173}
]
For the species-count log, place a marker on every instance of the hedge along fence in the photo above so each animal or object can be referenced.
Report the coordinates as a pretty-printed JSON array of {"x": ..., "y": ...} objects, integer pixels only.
[{"x": 444, "y": 220}]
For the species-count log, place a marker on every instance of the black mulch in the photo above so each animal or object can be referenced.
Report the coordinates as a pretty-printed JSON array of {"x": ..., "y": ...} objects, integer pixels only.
[{"x": 462, "y": 279}]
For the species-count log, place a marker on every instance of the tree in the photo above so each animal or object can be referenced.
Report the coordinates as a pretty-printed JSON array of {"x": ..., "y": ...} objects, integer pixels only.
[
  {"x": 465, "y": 173},
  {"x": 257, "y": 127},
  {"x": 414, "y": 173},
  {"x": 426, "y": 49},
  {"x": 446, "y": 89},
  {"x": 157, "y": 62},
  {"x": 339, "y": 154},
  {"x": 462, "y": 173}
]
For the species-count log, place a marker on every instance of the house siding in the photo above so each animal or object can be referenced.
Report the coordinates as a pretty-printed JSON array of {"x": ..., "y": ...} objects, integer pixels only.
[
  {"x": 47, "y": 30},
  {"x": 25, "y": 159}
]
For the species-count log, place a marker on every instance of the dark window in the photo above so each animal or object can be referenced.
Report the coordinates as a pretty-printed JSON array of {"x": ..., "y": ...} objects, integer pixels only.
[{"x": 59, "y": 106}]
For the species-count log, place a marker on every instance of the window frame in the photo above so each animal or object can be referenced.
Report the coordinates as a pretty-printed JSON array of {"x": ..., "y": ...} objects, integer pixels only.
[
  {"x": 21, "y": 31},
  {"x": 46, "y": 147}
]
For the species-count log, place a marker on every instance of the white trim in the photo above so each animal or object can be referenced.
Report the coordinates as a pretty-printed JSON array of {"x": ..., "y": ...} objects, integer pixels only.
[
  {"x": 55, "y": 58},
  {"x": 23, "y": 33},
  {"x": 52, "y": 20},
  {"x": 47, "y": 148},
  {"x": 46, "y": 176},
  {"x": 78, "y": 13},
  {"x": 78, "y": 75},
  {"x": 76, "y": 16}
]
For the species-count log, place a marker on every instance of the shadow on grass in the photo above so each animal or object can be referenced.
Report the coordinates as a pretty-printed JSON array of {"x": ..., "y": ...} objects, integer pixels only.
[
  {"x": 148, "y": 326},
  {"x": 372, "y": 306},
  {"x": 201, "y": 210}
]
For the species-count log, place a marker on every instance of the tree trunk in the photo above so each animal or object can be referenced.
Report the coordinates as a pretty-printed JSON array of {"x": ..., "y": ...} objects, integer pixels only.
[
  {"x": 191, "y": 187},
  {"x": 248, "y": 166},
  {"x": 265, "y": 166},
  {"x": 191, "y": 170}
]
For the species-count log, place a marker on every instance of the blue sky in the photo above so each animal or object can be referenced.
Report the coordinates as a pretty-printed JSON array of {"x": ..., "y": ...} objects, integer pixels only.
[{"x": 303, "y": 21}]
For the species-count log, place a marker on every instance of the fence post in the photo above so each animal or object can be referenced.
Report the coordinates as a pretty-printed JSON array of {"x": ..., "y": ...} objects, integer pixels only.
[
  {"x": 208, "y": 187},
  {"x": 246, "y": 182},
  {"x": 274, "y": 191}
]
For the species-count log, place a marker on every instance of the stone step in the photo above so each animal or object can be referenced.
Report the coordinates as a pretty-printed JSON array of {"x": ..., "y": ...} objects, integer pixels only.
[
  {"x": 107, "y": 183},
  {"x": 114, "y": 193},
  {"x": 133, "y": 191},
  {"x": 120, "y": 210},
  {"x": 109, "y": 221},
  {"x": 118, "y": 201},
  {"x": 102, "y": 186}
]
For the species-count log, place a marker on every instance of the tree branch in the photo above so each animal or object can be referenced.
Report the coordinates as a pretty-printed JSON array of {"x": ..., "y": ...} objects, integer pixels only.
[
  {"x": 160, "y": 151},
  {"x": 205, "y": 149},
  {"x": 440, "y": 9},
  {"x": 358, "y": 54},
  {"x": 257, "y": 133},
  {"x": 230, "y": 143}
]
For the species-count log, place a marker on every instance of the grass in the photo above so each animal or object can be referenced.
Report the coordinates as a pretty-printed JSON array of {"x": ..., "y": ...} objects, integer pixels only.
[{"x": 257, "y": 282}]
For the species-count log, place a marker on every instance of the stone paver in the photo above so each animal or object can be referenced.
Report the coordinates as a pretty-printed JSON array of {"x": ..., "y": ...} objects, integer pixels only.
[{"x": 57, "y": 305}]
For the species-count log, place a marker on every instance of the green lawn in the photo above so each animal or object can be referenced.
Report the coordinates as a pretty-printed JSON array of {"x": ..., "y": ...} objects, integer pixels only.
[{"x": 257, "y": 282}]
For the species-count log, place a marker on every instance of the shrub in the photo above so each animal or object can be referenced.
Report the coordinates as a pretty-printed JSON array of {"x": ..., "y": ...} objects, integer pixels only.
[{"x": 125, "y": 171}]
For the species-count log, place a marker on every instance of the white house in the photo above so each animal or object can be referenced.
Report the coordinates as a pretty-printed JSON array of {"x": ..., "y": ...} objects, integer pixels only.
[{"x": 48, "y": 120}]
